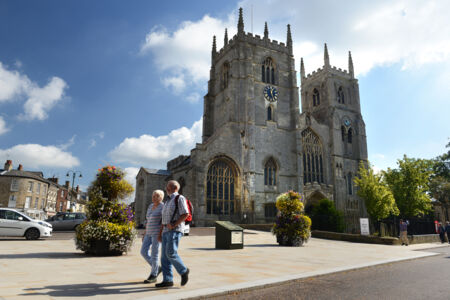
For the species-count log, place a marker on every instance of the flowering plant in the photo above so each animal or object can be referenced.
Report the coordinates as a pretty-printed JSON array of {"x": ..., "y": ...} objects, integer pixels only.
[
  {"x": 292, "y": 227},
  {"x": 107, "y": 219}
]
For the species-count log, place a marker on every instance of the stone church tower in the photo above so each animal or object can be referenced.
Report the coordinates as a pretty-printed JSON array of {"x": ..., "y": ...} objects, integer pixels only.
[{"x": 255, "y": 142}]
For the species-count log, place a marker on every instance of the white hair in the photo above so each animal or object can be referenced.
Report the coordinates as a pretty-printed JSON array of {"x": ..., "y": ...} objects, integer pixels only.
[{"x": 160, "y": 194}]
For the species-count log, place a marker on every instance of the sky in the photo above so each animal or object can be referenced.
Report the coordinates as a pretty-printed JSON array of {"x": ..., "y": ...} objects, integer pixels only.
[{"x": 85, "y": 83}]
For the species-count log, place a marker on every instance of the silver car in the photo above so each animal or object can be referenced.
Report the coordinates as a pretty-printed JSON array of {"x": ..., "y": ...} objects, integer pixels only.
[
  {"x": 15, "y": 223},
  {"x": 66, "y": 221}
]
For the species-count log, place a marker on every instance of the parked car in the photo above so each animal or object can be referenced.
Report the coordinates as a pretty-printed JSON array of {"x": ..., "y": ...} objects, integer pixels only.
[
  {"x": 15, "y": 223},
  {"x": 66, "y": 221}
]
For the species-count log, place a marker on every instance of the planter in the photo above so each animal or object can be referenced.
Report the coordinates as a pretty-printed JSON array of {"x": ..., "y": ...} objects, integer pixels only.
[
  {"x": 101, "y": 248},
  {"x": 284, "y": 240}
]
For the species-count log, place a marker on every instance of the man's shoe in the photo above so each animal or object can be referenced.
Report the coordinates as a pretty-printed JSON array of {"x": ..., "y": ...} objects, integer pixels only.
[
  {"x": 164, "y": 284},
  {"x": 150, "y": 279},
  {"x": 185, "y": 278}
]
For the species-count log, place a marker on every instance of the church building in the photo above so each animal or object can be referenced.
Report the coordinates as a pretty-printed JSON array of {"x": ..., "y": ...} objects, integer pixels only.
[{"x": 257, "y": 144}]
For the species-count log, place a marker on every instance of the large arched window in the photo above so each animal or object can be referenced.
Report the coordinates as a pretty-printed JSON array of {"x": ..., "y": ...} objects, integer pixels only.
[
  {"x": 270, "y": 173},
  {"x": 340, "y": 95},
  {"x": 316, "y": 97},
  {"x": 268, "y": 71},
  {"x": 349, "y": 135},
  {"x": 343, "y": 133},
  {"x": 312, "y": 157},
  {"x": 225, "y": 75},
  {"x": 220, "y": 189}
]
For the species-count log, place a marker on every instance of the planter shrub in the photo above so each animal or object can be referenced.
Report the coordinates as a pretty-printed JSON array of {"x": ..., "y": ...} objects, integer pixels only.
[{"x": 292, "y": 227}]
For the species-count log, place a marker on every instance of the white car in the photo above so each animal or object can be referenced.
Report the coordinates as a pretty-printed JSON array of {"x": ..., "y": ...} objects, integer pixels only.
[{"x": 15, "y": 223}]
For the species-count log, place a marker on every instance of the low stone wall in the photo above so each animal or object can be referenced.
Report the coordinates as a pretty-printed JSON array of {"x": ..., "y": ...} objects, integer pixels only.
[
  {"x": 357, "y": 238},
  {"x": 424, "y": 238}
]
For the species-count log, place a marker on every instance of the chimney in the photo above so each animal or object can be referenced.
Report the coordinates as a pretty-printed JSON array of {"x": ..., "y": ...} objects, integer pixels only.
[
  {"x": 67, "y": 184},
  {"x": 77, "y": 189},
  {"x": 53, "y": 179},
  {"x": 20, "y": 168},
  {"x": 8, "y": 165}
]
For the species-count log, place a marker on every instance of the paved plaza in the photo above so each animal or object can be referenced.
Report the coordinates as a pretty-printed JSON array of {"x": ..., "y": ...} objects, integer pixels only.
[{"x": 54, "y": 269}]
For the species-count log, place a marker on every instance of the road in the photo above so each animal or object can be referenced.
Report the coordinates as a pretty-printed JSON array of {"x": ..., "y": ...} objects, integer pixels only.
[{"x": 425, "y": 278}]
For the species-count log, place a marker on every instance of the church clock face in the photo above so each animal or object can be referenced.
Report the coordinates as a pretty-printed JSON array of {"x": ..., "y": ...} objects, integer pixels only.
[{"x": 270, "y": 93}]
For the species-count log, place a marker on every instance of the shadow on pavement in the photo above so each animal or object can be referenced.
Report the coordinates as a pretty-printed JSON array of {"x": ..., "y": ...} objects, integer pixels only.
[
  {"x": 56, "y": 255},
  {"x": 91, "y": 289},
  {"x": 262, "y": 245}
]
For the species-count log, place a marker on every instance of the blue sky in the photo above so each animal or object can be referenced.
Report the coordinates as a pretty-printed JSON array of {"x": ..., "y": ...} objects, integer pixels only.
[{"x": 89, "y": 83}]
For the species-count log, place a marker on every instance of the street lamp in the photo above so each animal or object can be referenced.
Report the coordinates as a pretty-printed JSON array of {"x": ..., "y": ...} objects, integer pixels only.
[{"x": 74, "y": 173}]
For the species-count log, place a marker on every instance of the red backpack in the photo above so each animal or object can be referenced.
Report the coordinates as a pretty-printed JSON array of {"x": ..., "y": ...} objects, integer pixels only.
[{"x": 188, "y": 220}]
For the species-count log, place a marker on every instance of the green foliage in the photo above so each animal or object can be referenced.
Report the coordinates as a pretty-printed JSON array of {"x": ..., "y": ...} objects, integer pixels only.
[
  {"x": 326, "y": 217},
  {"x": 107, "y": 219},
  {"x": 291, "y": 222},
  {"x": 409, "y": 185},
  {"x": 441, "y": 167},
  {"x": 377, "y": 196}
]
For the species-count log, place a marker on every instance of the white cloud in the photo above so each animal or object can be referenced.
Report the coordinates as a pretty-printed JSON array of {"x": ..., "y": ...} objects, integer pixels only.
[
  {"x": 69, "y": 143},
  {"x": 40, "y": 100},
  {"x": 176, "y": 83},
  {"x": 12, "y": 84},
  {"x": 130, "y": 176},
  {"x": 193, "y": 98},
  {"x": 411, "y": 33},
  {"x": 186, "y": 52},
  {"x": 3, "y": 128},
  {"x": 93, "y": 142},
  {"x": 37, "y": 156},
  {"x": 154, "y": 152}
]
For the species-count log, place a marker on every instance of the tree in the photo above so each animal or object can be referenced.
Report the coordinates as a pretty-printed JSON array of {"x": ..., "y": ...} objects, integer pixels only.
[
  {"x": 440, "y": 180},
  {"x": 377, "y": 196},
  {"x": 325, "y": 216},
  {"x": 409, "y": 184}
]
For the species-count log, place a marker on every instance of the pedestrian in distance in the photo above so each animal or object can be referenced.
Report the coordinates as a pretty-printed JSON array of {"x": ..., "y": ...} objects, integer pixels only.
[
  {"x": 404, "y": 232},
  {"x": 150, "y": 238},
  {"x": 441, "y": 231},
  {"x": 447, "y": 229},
  {"x": 174, "y": 213}
]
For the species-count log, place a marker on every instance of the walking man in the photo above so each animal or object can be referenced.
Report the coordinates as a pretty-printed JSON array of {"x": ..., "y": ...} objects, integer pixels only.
[
  {"x": 174, "y": 213},
  {"x": 404, "y": 232}
]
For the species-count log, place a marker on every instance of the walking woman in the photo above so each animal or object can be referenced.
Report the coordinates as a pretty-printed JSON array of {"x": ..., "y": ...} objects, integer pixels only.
[{"x": 150, "y": 238}]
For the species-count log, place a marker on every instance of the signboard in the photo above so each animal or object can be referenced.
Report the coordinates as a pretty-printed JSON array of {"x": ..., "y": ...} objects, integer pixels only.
[
  {"x": 236, "y": 237},
  {"x": 364, "y": 222}
]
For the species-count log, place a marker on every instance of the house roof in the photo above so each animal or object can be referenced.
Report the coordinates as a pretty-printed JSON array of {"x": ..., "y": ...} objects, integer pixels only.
[{"x": 24, "y": 174}]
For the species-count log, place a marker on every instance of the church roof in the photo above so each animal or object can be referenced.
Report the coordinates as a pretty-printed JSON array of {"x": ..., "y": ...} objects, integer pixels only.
[{"x": 157, "y": 171}]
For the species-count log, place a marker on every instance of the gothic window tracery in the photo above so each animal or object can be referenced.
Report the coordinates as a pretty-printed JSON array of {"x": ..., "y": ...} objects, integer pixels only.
[
  {"x": 270, "y": 173},
  {"x": 225, "y": 75},
  {"x": 268, "y": 71},
  {"x": 220, "y": 189},
  {"x": 316, "y": 97},
  {"x": 349, "y": 135},
  {"x": 312, "y": 157},
  {"x": 343, "y": 133}
]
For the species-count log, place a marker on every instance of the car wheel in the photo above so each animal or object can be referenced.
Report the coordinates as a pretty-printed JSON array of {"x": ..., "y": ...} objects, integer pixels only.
[{"x": 32, "y": 234}]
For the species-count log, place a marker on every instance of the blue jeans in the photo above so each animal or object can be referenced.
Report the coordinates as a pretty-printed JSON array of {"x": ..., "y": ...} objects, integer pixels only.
[
  {"x": 169, "y": 255},
  {"x": 153, "y": 258}
]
